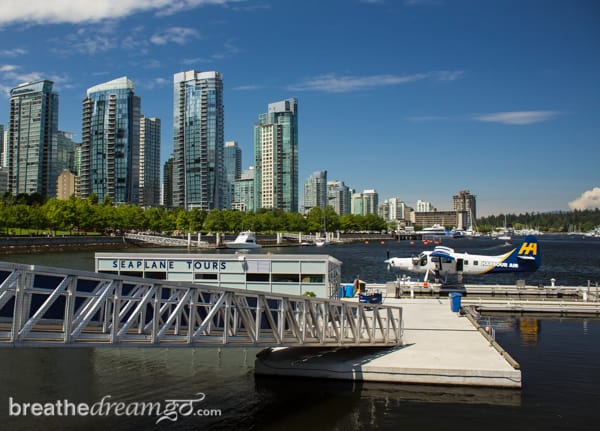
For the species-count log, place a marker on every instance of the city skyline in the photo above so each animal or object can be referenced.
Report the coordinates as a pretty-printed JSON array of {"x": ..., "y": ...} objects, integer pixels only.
[{"x": 416, "y": 99}]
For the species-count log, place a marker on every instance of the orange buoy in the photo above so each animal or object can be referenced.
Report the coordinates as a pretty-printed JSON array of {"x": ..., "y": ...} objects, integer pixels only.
[
  {"x": 382, "y": 242},
  {"x": 412, "y": 243},
  {"x": 367, "y": 242},
  {"x": 425, "y": 284}
]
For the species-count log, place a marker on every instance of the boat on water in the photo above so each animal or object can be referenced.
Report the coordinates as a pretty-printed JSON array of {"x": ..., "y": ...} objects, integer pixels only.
[
  {"x": 321, "y": 242},
  {"x": 244, "y": 240},
  {"x": 435, "y": 229}
]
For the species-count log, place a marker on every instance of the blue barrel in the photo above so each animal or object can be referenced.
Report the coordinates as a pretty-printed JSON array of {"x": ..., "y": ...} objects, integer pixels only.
[
  {"x": 455, "y": 302},
  {"x": 349, "y": 290}
]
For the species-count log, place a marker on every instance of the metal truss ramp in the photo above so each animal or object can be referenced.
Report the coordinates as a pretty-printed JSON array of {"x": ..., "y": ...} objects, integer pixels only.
[{"x": 43, "y": 306}]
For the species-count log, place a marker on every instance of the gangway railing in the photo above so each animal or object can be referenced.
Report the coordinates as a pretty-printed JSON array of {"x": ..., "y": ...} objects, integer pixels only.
[
  {"x": 44, "y": 306},
  {"x": 166, "y": 240}
]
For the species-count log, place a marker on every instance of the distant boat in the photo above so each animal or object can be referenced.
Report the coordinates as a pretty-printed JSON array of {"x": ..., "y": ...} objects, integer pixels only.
[
  {"x": 504, "y": 235},
  {"x": 436, "y": 229},
  {"x": 244, "y": 240},
  {"x": 321, "y": 242}
]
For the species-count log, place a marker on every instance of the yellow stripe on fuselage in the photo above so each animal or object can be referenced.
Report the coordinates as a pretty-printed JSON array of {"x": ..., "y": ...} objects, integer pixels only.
[{"x": 502, "y": 259}]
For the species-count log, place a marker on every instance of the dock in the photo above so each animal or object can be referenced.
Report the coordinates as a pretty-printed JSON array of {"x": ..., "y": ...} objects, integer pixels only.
[{"x": 440, "y": 347}]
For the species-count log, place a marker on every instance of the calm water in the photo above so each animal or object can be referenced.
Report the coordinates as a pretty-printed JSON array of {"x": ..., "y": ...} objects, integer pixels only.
[{"x": 559, "y": 360}]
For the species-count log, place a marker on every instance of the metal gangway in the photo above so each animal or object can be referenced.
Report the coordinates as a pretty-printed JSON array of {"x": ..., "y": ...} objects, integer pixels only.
[
  {"x": 167, "y": 241},
  {"x": 44, "y": 306}
]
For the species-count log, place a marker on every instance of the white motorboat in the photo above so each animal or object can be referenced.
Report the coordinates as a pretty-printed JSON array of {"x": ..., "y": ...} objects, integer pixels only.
[{"x": 244, "y": 240}]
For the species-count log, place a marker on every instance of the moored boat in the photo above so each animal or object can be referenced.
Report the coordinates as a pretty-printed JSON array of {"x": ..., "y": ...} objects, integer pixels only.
[{"x": 244, "y": 240}]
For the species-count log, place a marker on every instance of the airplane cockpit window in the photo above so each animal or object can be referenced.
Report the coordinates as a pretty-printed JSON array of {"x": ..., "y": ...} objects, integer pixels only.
[{"x": 423, "y": 259}]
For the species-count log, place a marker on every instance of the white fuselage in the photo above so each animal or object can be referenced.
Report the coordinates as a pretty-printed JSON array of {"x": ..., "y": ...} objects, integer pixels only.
[{"x": 456, "y": 262}]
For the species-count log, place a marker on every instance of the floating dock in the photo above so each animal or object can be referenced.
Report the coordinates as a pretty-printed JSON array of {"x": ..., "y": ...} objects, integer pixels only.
[{"x": 440, "y": 347}]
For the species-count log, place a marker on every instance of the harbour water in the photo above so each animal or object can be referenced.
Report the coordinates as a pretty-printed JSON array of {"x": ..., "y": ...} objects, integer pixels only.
[{"x": 558, "y": 357}]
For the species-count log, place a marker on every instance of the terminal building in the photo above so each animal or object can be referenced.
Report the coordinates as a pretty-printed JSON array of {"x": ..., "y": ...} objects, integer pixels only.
[{"x": 283, "y": 274}]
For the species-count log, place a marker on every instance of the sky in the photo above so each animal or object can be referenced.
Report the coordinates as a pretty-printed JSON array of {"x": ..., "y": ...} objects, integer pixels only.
[{"x": 417, "y": 99}]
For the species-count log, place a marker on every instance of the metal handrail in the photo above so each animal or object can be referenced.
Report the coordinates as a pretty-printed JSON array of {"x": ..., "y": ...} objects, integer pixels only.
[{"x": 44, "y": 306}]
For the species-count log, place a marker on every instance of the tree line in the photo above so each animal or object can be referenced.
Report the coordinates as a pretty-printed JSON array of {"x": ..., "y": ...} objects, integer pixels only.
[
  {"x": 34, "y": 214},
  {"x": 558, "y": 221}
]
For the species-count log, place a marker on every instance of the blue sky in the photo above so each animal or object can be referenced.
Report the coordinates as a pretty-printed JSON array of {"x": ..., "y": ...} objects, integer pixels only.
[{"x": 417, "y": 99}]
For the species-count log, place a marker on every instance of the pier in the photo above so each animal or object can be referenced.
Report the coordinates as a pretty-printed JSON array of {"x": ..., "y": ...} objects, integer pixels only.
[{"x": 440, "y": 347}]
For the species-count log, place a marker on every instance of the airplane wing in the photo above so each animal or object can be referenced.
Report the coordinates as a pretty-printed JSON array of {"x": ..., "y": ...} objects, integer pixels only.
[{"x": 439, "y": 253}]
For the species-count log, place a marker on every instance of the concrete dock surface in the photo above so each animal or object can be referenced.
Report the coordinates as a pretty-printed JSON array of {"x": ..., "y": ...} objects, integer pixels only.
[{"x": 439, "y": 347}]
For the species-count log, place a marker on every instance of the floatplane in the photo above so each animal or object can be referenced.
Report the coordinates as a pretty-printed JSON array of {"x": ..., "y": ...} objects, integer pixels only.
[{"x": 444, "y": 261}]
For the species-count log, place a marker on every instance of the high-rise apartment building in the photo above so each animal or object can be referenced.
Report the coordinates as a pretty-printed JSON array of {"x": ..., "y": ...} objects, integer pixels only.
[
  {"x": 370, "y": 202},
  {"x": 276, "y": 157},
  {"x": 243, "y": 191},
  {"x": 395, "y": 209},
  {"x": 32, "y": 139},
  {"x": 110, "y": 142},
  {"x": 232, "y": 163},
  {"x": 2, "y": 146},
  {"x": 424, "y": 207},
  {"x": 464, "y": 203},
  {"x": 198, "y": 140},
  {"x": 167, "y": 194},
  {"x": 149, "y": 162},
  {"x": 339, "y": 196},
  {"x": 65, "y": 154},
  {"x": 66, "y": 184},
  {"x": 315, "y": 191}
]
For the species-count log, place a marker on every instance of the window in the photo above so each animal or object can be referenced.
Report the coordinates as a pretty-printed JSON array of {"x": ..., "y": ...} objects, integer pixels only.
[
  {"x": 257, "y": 277},
  {"x": 312, "y": 278},
  {"x": 285, "y": 278},
  {"x": 209, "y": 276}
]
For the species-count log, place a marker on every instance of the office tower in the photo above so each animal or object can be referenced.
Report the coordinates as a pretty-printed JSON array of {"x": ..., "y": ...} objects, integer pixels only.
[
  {"x": 243, "y": 191},
  {"x": 110, "y": 142},
  {"x": 232, "y": 163},
  {"x": 339, "y": 196},
  {"x": 315, "y": 191},
  {"x": 167, "y": 194},
  {"x": 32, "y": 140},
  {"x": 149, "y": 162},
  {"x": 276, "y": 157},
  {"x": 198, "y": 140},
  {"x": 466, "y": 207}
]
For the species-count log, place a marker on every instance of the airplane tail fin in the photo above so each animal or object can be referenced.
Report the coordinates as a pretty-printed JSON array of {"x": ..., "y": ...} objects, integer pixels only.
[{"x": 527, "y": 254}]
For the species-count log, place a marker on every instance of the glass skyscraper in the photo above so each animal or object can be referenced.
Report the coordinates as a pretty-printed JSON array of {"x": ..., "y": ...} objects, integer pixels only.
[
  {"x": 232, "y": 163},
  {"x": 315, "y": 191},
  {"x": 276, "y": 157},
  {"x": 149, "y": 162},
  {"x": 198, "y": 140},
  {"x": 32, "y": 139},
  {"x": 110, "y": 142}
]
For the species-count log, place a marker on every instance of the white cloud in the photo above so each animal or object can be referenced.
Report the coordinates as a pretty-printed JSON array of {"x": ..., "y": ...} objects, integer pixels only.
[
  {"x": 78, "y": 11},
  {"x": 178, "y": 35},
  {"x": 247, "y": 87},
  {"x": 11, "y": 75},
  {"x": 517, "y": 117},
  {"x": 12, "y": 52},
  {"x": 330, "y": 83},
  {"x": 589, "y": 199}
]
